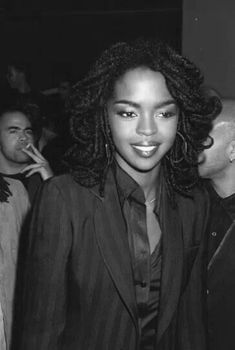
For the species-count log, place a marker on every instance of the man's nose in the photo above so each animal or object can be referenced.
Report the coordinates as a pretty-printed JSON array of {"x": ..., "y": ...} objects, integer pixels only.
[
  {"x": 147, "y": 125},
  {"x": 23, "y": 136}
]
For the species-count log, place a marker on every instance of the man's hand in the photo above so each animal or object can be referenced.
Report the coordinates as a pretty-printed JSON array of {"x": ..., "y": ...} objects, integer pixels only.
[{"x": 40, "y": 166}]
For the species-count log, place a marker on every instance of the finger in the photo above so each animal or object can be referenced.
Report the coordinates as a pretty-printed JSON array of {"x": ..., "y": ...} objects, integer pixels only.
[
  {"x": 33, "y": 171},
  {"x": 32, "y": 155},
  {"x": 36, "y": 151},
  {"x": 45, "y": 174},
  {"x": 32, "y": 166}
]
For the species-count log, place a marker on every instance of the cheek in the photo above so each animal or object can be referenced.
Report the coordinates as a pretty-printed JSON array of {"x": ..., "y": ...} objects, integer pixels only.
[
  {"x": 169, "y": 132},
  {"x": 31, "y": 138},
  {"x": 120, "y": 131},
  {"x": 8, "y": 142},
  {"x": 214, "y": 155},
  {"x": 118, "y": 138}
]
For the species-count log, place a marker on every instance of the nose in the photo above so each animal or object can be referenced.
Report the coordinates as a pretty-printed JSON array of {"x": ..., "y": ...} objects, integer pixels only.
[
  {"x": 23, "y": 137},
  {"x": 147, "y": 125}
]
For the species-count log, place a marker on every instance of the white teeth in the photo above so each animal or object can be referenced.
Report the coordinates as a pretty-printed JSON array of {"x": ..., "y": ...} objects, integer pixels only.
[{"x": 145, "y": 148}]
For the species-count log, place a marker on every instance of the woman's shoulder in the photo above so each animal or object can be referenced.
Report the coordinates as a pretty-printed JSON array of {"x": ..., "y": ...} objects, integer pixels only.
[
  {"x": 66, "y": 186},
  {"x": 196, "y": 201}
]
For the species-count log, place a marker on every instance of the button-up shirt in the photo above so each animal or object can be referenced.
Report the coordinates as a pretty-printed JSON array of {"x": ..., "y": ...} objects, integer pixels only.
[
  {"x": 222, "y": 215},
  {"x": 146, "y": 266}
]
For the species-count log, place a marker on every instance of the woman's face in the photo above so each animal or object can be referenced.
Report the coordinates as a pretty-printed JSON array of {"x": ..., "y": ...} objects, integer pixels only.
[{"x": 143, "y": 119}]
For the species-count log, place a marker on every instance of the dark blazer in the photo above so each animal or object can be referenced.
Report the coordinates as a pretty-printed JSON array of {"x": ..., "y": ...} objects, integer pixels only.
[
  {"x": 79, "y": 292},
  {"x": 221, "y": 294}
]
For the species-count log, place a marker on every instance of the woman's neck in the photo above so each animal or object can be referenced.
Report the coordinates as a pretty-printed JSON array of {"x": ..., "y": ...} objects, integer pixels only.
[
  {"x": 148, "y": 180},
  {"x": 149, "y": 184}
]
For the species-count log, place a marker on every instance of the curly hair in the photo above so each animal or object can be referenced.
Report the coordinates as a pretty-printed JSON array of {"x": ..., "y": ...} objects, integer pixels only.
[{"x": 88, "y": 160}]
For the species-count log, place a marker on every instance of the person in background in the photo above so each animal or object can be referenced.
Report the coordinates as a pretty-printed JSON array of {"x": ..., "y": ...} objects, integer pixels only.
[
  {"x": 112, "y": 243},
  {"x": 217, "y": 167},
  {"x": 20, "y": 161},
  {"x": 56, "y": 138},
  {"x": 20, "y": 134},
  {"x": 19, "y": 90},
  {"x": 18, "y": 77}
]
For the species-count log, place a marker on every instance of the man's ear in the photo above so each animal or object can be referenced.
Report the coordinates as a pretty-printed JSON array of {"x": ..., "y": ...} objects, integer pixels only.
[{"x": 231, "y": 150}]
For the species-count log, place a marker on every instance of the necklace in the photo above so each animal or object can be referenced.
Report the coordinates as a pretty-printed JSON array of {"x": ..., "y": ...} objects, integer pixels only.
[{"x": 151, "y": 201}]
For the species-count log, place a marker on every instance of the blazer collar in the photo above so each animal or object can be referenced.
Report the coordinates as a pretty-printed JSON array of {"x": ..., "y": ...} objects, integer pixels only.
[
  {"x": 112, "y": 239},
  {"x": 172, "y": 265}
]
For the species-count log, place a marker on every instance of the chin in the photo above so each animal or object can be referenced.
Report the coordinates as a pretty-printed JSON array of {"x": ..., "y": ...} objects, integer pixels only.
[
  {"x": 22, "y": 160},
  {"x": 145, "y": 168},
  {"x": 204, "y": 174},
  {"x": 201, "y": 172}
]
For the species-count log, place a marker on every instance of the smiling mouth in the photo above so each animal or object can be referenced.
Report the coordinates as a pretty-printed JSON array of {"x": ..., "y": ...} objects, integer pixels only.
[
  {"x": 145, "y": 148},
  {"x": 145, "y": 151}
]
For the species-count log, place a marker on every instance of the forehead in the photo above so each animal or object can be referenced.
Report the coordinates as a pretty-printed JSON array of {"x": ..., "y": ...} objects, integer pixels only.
[
  {"x": 221, "y": 126},
  {"x": 11, "y": 69},
  {"x": 141, "y": 81},
  {"x": 11, "y": 119}
]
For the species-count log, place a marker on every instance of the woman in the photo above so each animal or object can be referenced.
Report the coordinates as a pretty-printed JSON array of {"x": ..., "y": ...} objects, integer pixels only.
[{"x": 113, "y": 243}]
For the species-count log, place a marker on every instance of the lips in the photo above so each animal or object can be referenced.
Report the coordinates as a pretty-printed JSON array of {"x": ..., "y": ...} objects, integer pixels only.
[
  {"x": 145, "y": 151},
  {"x": 23, "y": 145}
]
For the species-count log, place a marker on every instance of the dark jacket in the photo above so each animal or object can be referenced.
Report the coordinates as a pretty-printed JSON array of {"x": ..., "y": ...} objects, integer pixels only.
[
  {"x": 221, "y": 279},
  {"x": 79, "y": 292}
]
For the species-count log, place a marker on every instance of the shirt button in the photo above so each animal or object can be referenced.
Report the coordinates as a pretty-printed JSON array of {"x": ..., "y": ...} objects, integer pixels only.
[
  {"x": 207, "y": 292},
  {"x": 214, "y": 234}
]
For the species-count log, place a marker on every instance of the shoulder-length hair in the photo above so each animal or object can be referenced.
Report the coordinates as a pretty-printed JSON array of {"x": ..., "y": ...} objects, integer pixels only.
[{"x": 92, "y": 153}]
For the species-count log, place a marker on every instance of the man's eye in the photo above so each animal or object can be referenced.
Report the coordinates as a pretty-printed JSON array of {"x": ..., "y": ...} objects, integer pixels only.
[{"x": 125, "y": 114}]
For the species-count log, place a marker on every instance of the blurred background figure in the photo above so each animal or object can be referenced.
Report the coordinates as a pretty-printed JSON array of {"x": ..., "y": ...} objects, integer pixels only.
[
  {"x": 56, "y": 140},
  {"x": 22, "y": 170},
  {"x": 18, "y": 89},
  {"x": 18, "y": 78},
  {"x": 217, "y": 166}
]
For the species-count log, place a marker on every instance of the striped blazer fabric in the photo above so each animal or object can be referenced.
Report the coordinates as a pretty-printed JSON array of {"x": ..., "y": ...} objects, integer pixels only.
[{"x": 78, "y": 284}]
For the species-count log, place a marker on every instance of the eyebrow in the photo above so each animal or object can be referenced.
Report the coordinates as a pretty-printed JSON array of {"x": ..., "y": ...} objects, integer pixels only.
[
  {"x": 19, "y": 128},
  {"x": 136, "y": 105}
]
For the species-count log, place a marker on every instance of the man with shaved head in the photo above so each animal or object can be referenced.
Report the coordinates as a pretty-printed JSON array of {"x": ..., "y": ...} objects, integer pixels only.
[{"x": 217, "y": 165}]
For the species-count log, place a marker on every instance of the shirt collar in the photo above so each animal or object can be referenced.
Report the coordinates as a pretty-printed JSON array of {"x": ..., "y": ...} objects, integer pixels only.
[
  {"x": 128, "y": 188},
  {"x": 228, "y": 202}
]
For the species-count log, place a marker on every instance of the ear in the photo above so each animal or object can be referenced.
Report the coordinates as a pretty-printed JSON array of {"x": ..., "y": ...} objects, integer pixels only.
[{"x": 231, "y": 151}]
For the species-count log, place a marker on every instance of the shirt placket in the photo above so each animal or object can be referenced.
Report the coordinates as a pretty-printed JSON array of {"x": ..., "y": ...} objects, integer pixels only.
[{"x": 140, "y": 254}]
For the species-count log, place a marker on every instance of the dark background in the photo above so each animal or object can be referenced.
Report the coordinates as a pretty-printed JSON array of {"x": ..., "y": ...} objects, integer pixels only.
[
  {"x": 62, "y": 37},
  {"x": 208, "y": 40}
]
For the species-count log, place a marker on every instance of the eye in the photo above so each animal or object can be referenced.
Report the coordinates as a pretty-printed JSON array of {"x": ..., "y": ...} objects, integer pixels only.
[
  {"x": 126, "y": 114},
  {"x": 29, "y": 132},
  {"x": 167, "y": 114},
  {"x": 13, "y": 131}
]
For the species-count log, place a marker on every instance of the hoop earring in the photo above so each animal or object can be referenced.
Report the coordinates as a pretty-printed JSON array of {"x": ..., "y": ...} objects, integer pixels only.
[
  {"x": 184, "y": 151},
  {"x": 108, "y": 152},
  {"x": 184, "y": 141}
]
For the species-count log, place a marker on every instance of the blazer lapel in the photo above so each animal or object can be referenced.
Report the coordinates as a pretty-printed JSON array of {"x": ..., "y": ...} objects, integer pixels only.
[
  {"x": 113, "y": 243},
  {"x": 226, "y": 245},
  {"x": 172, "y": 266}
]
